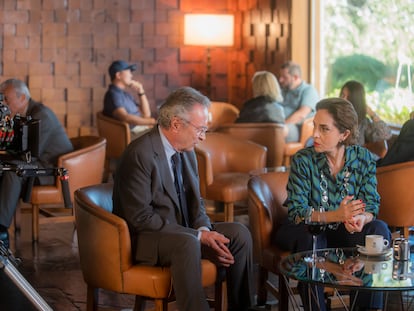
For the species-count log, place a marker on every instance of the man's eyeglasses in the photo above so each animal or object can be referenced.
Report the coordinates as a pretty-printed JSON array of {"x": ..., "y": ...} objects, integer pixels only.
[{"x": 200, "y": 130}]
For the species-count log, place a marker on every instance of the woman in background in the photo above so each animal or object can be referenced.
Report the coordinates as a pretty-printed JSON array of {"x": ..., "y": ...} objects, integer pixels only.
[
  {"x": 265, "y": 105},
  {"x": 371, "y": 127}
]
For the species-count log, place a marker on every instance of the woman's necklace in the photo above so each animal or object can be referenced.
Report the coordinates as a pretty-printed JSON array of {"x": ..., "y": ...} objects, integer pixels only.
[{"x": 323, "y": 184}]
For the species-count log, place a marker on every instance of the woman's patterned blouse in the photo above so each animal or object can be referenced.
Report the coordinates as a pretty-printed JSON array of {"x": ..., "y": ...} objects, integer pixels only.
[{"x": 304, "y": 185}]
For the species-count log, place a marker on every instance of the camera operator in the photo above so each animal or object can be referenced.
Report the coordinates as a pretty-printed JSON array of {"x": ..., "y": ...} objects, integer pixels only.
[{"x": 53, "y": 142}]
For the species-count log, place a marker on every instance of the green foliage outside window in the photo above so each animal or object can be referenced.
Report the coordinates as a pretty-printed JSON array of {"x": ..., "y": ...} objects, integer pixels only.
[{"x": 370, "y": 41}]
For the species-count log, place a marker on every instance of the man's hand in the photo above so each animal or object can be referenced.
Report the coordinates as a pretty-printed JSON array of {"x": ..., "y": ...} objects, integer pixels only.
[
  {"x": 136, "y": 85},
  {"x": 217, "y": 242}
]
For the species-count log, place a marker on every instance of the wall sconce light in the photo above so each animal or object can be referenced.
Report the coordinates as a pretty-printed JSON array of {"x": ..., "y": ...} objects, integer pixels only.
[{"x": 209, "y": 30}]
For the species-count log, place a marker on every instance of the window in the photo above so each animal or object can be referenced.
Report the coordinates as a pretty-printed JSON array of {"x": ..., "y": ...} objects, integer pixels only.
[{"x": 370, "y": 41}]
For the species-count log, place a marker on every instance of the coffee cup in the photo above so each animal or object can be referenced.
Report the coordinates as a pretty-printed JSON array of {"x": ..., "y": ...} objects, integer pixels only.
[{"x": 375, "y": 243}]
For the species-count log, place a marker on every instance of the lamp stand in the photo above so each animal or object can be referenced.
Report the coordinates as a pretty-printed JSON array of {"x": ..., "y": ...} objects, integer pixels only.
[{"x": 208, "y": 73}]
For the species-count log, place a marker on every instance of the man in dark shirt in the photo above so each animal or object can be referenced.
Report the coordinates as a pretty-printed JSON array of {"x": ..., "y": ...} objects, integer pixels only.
[
  {"x": 121, "y": 105},
  {"x": 53, "y": 142}
]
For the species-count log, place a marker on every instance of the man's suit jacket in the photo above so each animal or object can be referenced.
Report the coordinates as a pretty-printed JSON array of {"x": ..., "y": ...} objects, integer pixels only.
[
  {"x": 53, "y": 141},
  {"x": 145, "y": 196}
]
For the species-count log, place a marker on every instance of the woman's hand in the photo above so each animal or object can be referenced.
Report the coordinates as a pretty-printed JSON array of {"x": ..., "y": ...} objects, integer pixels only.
[{"x": 353, "y": 214}]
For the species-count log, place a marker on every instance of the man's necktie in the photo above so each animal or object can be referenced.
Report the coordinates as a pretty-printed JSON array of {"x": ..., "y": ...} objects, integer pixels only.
[{"x": 179, "y": 186}]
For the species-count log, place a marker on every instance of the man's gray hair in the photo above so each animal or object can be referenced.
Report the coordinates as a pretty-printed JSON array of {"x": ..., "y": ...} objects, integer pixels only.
[
  {"x": 18, "y": 85},
  {"x": 179, "y": 103}
]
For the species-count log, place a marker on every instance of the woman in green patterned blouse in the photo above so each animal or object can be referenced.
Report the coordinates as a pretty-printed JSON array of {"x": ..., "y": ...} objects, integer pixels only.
[{"x": 340, "y": 176}]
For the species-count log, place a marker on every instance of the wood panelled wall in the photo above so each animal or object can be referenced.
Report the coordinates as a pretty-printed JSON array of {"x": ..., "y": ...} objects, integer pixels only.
[{"x": 62, "y": 49}]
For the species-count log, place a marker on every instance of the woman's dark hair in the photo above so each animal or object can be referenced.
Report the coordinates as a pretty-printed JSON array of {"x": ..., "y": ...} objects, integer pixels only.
[
  {"x": 344, "y": 115},
  {"x": 356, "y": 95}
]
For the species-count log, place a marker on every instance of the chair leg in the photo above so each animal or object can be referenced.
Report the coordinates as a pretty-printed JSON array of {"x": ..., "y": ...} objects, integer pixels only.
[
  {"x": 229, "y": 212},
  {"x": 220, "y": 291},
  {"x": 261, "y": 288},
  {"x": 35, "y": 222},
  {"x": 92, "y": 299},
  {"x": 139, "y": 303},
  {"x": 161, "y": 304},
  {"x": 284, "y": 294}
]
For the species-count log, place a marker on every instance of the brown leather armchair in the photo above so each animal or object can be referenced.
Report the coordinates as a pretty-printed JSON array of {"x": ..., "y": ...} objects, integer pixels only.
[
  {"x": 292, "y": 147},
  {"x": 85, "y": 166},
  {"x": 267, "y": 192},
  {"x": 118, "y": 136},
  {"x": 224, "y": 164},
  {"x": 220, "y": 113},
  {"x": 269, "y": 135},
  {"x": 106, "y": 259},
  {"x": 397, "y": 196}
]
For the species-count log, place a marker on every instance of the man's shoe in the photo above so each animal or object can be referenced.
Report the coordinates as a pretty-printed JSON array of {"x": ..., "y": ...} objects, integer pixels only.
[{"x": 4, "y": 237}]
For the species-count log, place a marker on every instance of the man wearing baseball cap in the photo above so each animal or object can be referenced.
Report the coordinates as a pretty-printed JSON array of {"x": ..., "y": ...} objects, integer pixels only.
[{"x": 120, "y": 104}]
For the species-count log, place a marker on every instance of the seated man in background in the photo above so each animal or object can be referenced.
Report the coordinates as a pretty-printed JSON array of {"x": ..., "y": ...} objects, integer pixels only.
[
  {"x": 402, "y": 150},
  {"x": 121, "y": 105},
  {"x": 157, "y": 191},
  {"x": 53, "y": 142},
  {"x": 299, "y": 99}
]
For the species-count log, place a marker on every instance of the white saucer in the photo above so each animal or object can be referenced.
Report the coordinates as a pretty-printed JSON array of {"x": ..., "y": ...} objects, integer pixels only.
[{"x": 362, "y": 250}]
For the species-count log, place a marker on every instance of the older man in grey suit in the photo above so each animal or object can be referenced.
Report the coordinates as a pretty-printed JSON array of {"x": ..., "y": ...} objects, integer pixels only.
[{"x": 177, "y": 233}]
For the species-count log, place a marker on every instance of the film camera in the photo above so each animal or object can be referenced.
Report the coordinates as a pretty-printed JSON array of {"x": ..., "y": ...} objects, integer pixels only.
[{"x": 18, "y": 135}]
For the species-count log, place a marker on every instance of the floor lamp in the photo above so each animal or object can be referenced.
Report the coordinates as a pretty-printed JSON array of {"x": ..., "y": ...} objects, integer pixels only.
[{"x": 209, "y": 30}]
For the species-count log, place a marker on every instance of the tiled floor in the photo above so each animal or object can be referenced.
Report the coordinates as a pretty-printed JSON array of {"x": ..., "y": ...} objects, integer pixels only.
[{"x": 51, "y": 267}]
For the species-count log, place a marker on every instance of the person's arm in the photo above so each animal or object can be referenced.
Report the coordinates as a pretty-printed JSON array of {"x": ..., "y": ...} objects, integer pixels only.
[
  {"x": 376, "y": 129},
  {"x": 299, "y": 115},
  {"x": 122, "y": 115},
  {"x": 144, "y": 104}
]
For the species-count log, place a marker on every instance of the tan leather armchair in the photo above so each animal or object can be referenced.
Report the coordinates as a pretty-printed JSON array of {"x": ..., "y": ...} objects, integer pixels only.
[
  {"x": 269, "y": 135},
  {"x": 397, "y": 196},
  {"x": 106, "y": 259},
  {"x": 224, "y": 164},
  {"x": 267, "y": 192},
  {"x": 220, "y": 113},
  {"x": 85, "y": 166},
  {"x": 292, "y": 147},
  {"x": 118, "y": 136}
]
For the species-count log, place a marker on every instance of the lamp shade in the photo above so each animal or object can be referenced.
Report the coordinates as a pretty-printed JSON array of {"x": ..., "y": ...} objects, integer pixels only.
[{"x": 209, "y": 29}]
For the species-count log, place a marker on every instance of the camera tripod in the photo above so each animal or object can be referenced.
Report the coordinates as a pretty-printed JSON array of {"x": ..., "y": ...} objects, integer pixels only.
[{"x": 8, "y": 263}]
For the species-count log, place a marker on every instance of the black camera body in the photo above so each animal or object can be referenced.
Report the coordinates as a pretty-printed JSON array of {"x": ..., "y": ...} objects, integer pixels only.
[{"x": 18, "y": 135}]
